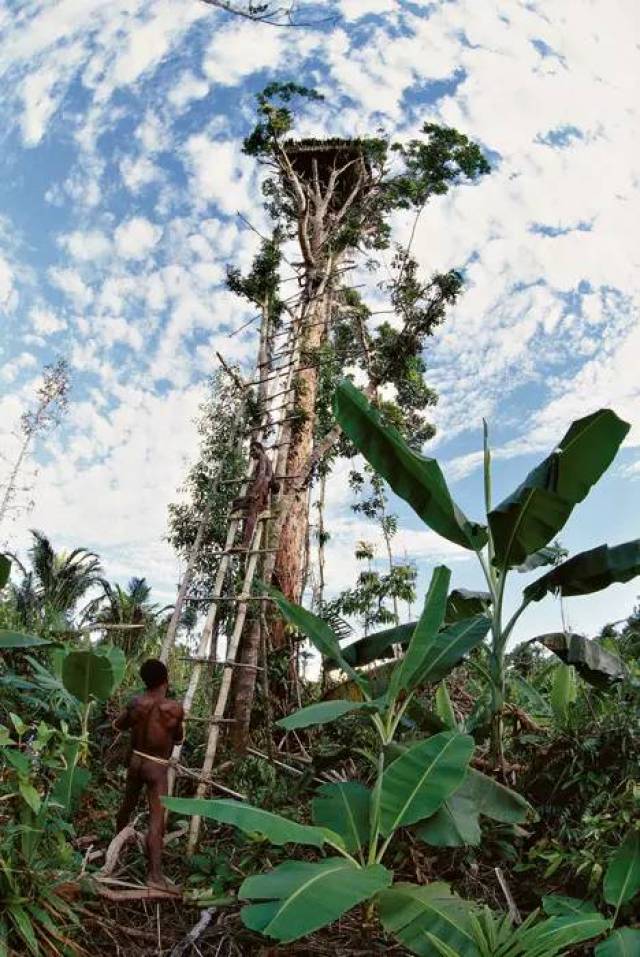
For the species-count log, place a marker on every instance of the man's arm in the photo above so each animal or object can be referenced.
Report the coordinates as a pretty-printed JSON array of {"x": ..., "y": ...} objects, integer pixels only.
[
  {"x": 178, "y": 731},
  {"x": 124, "y": 719}
]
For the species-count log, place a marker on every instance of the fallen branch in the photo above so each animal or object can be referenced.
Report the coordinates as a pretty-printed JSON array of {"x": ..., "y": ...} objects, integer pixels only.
[
  {"x": 136, "y": 894},
  {"x": 514, "y": 913},
  {"x": 196, "y": 931},
  {"x": 121, "y": 839}
]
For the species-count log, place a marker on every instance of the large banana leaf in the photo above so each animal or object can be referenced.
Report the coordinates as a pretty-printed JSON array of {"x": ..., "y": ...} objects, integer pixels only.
[
  {"x": 556, "y": 934},
  {"x": 15, "y": 639},
  {"x": 416, "y": 479},
  {"x": 461, "y": 604},
  {"x": 447, "y": 649},
  {"x": 379, "y": 645},
  {"x": 564, "y": 691},
  {"x": 622, "y": 943},
  {"x": 549, "y": 555},
  {"x": 417, "y": 783},
  {"x": 457, "y": 821},
  {"x": 252, "y": 820},
  {"x": 592, "y": 662},
  {"x": 343, "y": 807},
  {"x": 558, "y": 905},
  {"x": 71, "y": 782},
  {"x": 532, "y": 515},
  {"x": 410, "y": 912},
  {"x": 409, "y": 672},
  {"x": 495, "y": 800},
  {"x": 622, "y": 877},
  {"x": 443, "y": 707},
  {"x": 118, "y": 661},
  {"x": 86, "y": 675},
  {"x": 317, "y": 631},
  {"x": 589, "y": 571},
  {"x": 322, "y": 713},
  {"x": 299, "y": 897}
]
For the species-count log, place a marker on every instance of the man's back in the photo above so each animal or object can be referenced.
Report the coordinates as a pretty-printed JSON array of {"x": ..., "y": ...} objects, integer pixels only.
[{"x": 156, "y": 724}]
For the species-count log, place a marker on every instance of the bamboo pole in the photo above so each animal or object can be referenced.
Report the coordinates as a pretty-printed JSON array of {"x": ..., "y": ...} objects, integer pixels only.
[{"x": 225, "y": 685}]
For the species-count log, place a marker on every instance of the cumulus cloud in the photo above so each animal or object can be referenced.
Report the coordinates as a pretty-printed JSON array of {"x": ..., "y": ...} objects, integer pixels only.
[
  {"x": 8, "y": 292},
  {"x": 86, "y": 246},
  {"x": 227, "y": 59},
  {"x": 46, "y": 322},
  {"x": 136, "y": 237},
  {"x": 70, "y": 282},
  {"x": 220, "y": 175},
  {"x": 138, "y": 171},
  {"x": 188, "y": 88}
]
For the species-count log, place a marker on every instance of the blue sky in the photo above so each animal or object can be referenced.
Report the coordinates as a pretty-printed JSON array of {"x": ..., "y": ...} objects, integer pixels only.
[{"x": 121, "y": 180}]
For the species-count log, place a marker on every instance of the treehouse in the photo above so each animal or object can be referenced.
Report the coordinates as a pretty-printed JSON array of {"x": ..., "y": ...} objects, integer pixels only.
[{"x": 320, "y": 158}]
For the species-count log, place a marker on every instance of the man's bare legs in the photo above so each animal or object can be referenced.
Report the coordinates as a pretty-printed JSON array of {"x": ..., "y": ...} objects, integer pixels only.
[
  {"x": 129, "y": 802},
  {"x": 155, "y": 835}
]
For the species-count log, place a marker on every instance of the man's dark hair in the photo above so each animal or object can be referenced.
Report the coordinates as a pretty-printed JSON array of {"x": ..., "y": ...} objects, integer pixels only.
[{"x": 154, "y": 673}]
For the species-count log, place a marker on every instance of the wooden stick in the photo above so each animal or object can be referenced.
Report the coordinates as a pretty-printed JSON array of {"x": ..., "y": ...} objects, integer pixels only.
[
  {"x": 514, "y": 913},
  {"x": 123, "y": 837},
  {"x": 138, "y": 894},
  {"x": 196, "y": 931}
]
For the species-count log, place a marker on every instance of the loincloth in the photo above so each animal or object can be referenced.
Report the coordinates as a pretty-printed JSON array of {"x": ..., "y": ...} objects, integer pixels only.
[{"x": 151, "y": 757}]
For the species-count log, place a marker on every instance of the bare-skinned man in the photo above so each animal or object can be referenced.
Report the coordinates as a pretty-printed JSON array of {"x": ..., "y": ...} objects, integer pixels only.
[{"x": 155, "y": 722}]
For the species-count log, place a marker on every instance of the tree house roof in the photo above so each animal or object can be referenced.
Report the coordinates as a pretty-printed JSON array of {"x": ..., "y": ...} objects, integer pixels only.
[{"x": 328, "y": 154}]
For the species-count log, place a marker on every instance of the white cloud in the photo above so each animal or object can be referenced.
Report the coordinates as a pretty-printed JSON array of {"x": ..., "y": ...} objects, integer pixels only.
[
  {"x": 188, "y": 88},
  {"x": 136, "y": 237},
  {"x": 70, "y": 282},
  {"x": 153, "y": 134},
  {"x": 46, "y": 322},
  {"x": 86, "y": 246},
  {"x": 354, "y": 9},
  {"x": 147, "y": 437},
  {"x": 220, "y": 174},
  {"x": 240, "y": 49},
  {"x": 9, "y": 371},
  {"x": 8, "y": 293},
  {"x": 138, "y": 171}
]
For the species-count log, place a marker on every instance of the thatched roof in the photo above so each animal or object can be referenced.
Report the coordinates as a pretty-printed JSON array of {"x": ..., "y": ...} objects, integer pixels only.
[{"x": 329, "y": 154}]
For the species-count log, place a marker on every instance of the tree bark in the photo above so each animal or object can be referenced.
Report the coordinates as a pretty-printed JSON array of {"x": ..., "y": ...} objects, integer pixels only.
[{"x": 289, "y": 564}]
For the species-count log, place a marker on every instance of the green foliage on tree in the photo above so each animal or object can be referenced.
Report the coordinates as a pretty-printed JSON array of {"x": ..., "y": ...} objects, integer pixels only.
[{"x": 50, "y": 590}]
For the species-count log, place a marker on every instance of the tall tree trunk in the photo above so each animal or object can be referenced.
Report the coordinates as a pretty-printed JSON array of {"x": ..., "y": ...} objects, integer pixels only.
[{"x": 289, "y": 564}]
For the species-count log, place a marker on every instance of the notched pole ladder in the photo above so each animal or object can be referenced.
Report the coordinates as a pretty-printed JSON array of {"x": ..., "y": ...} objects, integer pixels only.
[{"x": 282, "y": 383}]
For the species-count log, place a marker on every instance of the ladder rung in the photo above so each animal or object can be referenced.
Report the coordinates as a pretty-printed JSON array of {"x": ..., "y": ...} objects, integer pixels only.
[
  {"x": 271, "y": 378},
  {"x": 245, "y": 551},
  {"x": 237, "y": 481},
  {"x": 240, "y": 664},
  {"x": 210, "y": 720},
  {"x": 274, "y": 425},
  {"x": 224, "y": 664},
  {"x": 276, "y": 395},
  {"x": 233, "y": 598}
]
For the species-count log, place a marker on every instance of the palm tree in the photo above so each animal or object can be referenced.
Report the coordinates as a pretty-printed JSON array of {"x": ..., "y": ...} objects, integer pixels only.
[
  {"x": 50, "y": 591},
  {"x": 131, "y": 607}
]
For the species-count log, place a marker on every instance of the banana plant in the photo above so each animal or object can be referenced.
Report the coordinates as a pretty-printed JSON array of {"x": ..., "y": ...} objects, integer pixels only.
[
  {"x": 621, "y": 885},
  {"x": 428, "y": 781},
  {"x": 517, "y": 531}
]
